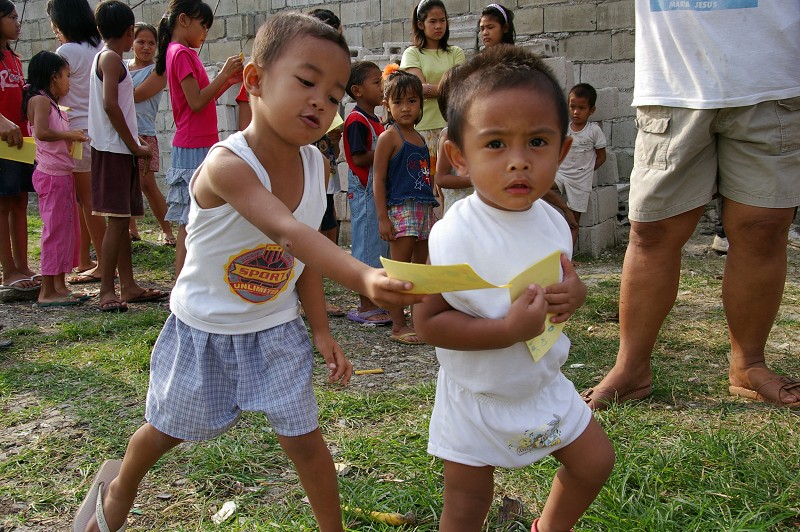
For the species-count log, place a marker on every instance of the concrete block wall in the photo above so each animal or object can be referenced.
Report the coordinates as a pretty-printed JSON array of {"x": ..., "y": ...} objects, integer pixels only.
[{"x": 586, "y": 40}]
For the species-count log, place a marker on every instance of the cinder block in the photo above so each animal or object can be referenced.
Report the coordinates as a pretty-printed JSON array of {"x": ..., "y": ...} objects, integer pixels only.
[
  {"x": 219, "y": 52},
  {"x": 254, "y": 6},
  {"x": 229, "y": 96},
  {"x": 623, "y": 191},
  {"x": 607, "y": 103},
  {"x": 357, "y": 53},
  {"x": 587, "y": 47},
  {"x": 465, "y": 40},
  {"x": 31, "y": 30},
  {"x": 345, "y": 234},
  {"x": 615, "y": 15},
  {"x": 396, "y": 10},
  {"x": 529, "y": 20},
  {"x": 222, "y": 9},
  {"x": 594, "y": 240},
  {"x": 622, "y": 45},
  {"x": 542, "y": 47},
  {"x": 361, "y": 11},
  {"x": 234, "y": 27},
  {"x": 603, "y": 204},
  {"x": 354, "y": 36},
  {"x": 625, "y": 107},
  {"x": 618, "y": 74},
  {"x": 226, "y": 118},
  {"x": 342, "y": 205},
  {"x": 343, "y": 169},
  {"x": 581, "y": 17},
  {"x": 624, "y": 133},
  {"x": 607, "y": 173},
  {"x": 563, "y": 71},
  {"x": 395, "y": 48}
]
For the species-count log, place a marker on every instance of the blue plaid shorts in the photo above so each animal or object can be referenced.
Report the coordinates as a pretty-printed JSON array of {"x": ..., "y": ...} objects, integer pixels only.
[{"x": 201, "y": 382}]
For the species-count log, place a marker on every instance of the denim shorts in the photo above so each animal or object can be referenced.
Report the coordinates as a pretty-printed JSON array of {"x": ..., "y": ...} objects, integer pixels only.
[
  {"x": 185, "y": 161},
  {"x": 683, "y": 157},
  {"x": 366, "y": 238}
]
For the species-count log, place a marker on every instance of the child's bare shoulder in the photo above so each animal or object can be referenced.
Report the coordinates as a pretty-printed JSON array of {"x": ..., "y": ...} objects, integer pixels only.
[{"x": 222, "y": 164}]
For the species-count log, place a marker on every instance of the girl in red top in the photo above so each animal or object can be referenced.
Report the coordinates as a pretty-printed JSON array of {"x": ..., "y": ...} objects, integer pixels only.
[{"x": 15, "y": 177}]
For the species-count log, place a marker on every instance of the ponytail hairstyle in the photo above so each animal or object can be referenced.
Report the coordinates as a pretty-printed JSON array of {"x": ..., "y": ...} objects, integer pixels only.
[
  {"x": 397, "y": 83},
  {"x": 75, "y": 20},
  {"x": 418, "y": 17},
  {"x": 43, "y": 67},
  {"x": 195, "y": 9},
  {"x": 504, "y": 17}
]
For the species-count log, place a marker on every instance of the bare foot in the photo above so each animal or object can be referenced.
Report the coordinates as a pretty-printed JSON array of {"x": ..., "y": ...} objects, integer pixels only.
[{"x": 618, "y": 387}]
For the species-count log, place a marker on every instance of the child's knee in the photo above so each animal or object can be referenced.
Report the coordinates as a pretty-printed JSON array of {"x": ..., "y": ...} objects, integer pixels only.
[{"x": 304, "y": 447}]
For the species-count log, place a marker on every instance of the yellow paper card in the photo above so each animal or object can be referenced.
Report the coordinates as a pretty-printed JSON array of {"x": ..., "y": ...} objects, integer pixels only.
[
  {"x": 77, "y": 150},
  {"x": 429, "y": 279},
  {"x": 26, "y": 154},
  {"x": 337, "y": 121},
  {"x": 544, "y": 273}
]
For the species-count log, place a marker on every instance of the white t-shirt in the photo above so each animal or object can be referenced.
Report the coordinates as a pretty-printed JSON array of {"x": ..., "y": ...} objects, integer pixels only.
[
  {"x": 716, "y": 54},
  {"x": 80, "y": 58},
  {"x": 235, "y": 279},
  {"x": 578, "y": 165},
  {"x": 499, "y": 407}
]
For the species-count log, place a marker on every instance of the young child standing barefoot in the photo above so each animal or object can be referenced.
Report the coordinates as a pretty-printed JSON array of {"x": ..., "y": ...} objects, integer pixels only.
[
  {"x": 48, "y": 82},
  {"x": 256, "y": 204},
  {"x": 192, "y": 96},
  {"x": 403, "y": 186},
  {"x": 495, "y": 406},
  {"x": 147, "y": 90}
]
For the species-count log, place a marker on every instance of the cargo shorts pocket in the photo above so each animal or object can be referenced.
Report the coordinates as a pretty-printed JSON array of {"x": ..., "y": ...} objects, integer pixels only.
[
  {"x": 653, "y": 137},
  {"x": 789, "y": 118}
]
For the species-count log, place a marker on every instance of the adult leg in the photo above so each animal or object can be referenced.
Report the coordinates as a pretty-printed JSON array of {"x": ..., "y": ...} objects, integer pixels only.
[
  {"x": 752, "y": 288},
  {"x": 314, "y": 466},
  {"x": 95, "y": 225},
  {"x": 586, "y": 464},
  {"x": 649, "y": 286},
  {"x": 145, "y": 448},
  {"x": 468, "y": 495}
]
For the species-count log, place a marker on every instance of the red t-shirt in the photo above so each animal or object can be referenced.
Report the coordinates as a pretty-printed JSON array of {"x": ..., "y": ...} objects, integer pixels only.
[
  {"x": 243, "y": 95},
  {"x": 192, "y": 130},
  {"x": 12, "y": 79}
]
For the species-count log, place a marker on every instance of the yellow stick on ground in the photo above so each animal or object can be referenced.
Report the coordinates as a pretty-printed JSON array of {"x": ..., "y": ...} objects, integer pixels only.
[
  {"x": 369, "y": 371},
  {"x": 390, "y": 518}
]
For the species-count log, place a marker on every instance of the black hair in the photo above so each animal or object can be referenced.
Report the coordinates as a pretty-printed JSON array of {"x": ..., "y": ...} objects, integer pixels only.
[
  {"x": 6, "y": 8},
  {"x": 274, "y": 37},
  {"x": 497, "y": 68},
  {"x": 327, "y": 16},
  {"x": 195, "y": 9},
  {"x": 397, "y": 84},
  {"x": 75, "y": 20},
  {"x": 504, "y": 17},
  {"x": 42, "y": 68},
  {"x": 584, "y": 90},
  {"x": 139, "y": 26},
  {"x": 358, "y": 74},
  {"x": 419, "y": 15},
  {"x": 444, "y": 89},
  {"x": 114, "y": 18}
]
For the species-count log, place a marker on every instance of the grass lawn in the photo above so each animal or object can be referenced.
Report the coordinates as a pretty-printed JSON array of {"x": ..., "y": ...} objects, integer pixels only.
[{"x": 689, "y": 458}]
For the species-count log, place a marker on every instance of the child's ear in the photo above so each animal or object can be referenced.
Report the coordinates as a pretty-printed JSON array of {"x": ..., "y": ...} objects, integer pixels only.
[
  {"x": 251, "y": 77},
  {"x": 456, "y": 157},
  {"x": 592, "y": 110},
  {"x": 356, "y": 90},
  {"x": 565, "y": 146}
]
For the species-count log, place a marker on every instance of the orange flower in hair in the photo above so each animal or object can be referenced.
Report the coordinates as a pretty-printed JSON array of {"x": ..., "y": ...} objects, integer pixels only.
[{"x": 390, "y": 69}]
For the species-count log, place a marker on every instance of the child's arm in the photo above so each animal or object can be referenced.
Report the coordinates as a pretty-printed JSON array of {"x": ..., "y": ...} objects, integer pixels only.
[
  {"x": 198, "y": 98},
  {"x": 564, "y": 298},
  {"x": 225, "y": 178},
  {"x": 439, "y": 324},
  {"x": 444, "y": 169},
  {"x": 383, "y": 153},
  {"x": 312, "y": 296},
  {"x": 39, "y": 115},
  {"x": 600, "y": 157},
  {"x": 152, "y": 85},
  {"x": 110, "y": 66}
]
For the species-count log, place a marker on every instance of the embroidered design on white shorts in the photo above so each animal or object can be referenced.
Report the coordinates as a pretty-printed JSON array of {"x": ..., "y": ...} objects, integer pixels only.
[{"x": 544, "y": 436}]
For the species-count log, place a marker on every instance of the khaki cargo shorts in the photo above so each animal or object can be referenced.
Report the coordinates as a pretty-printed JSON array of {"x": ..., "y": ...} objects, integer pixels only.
[{"x": 683, "y": 157}]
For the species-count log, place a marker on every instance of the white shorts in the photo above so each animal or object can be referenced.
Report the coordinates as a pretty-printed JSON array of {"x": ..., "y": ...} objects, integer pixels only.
[{"x": 478, "y": 431}]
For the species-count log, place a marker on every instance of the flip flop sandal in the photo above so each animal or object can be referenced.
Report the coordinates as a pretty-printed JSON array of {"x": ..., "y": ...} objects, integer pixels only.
[
  {"x": 362, "y": 317},
  {"x": 92, "y": 504},
  {"x": 790, "y": 386}
]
